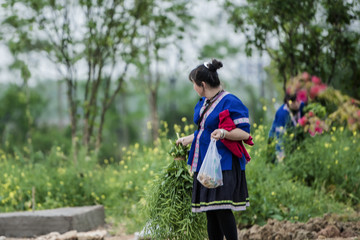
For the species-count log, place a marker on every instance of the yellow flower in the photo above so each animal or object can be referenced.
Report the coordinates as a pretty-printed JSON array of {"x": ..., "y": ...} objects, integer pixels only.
[
  {"x": 255, "y": 125},
  {"x": 273, "y": 100},
  {"x": 264, "y": 108},
  {"x": 354, "y": 133},
  {"x": 336, "y": 162},
  {"x": 11, "y": 194},
  {"x": 183, "y": 119},
  {"x": 326, "y": 145},
  {"x": 333, "y": 138},
  {"x": 334, "y": 129},
  {"x": 186, "y": 129},
  {"x": 346, "y": 148},
  {"x": 273, "y": 193},
  {"x": 177, "y": 128},
  {"x": 341, "y": 129}
]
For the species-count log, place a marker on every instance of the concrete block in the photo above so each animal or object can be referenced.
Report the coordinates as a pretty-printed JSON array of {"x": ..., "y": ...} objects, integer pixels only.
[{"x": 32, "y": 224}]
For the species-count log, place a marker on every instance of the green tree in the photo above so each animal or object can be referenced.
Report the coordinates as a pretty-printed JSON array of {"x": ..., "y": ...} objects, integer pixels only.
[
  {"x": 18, "y": 104},
  {"x": 103, "y": 37},
  {"x": 306, "y": 35},
  {"x": 165, "y": 27}
]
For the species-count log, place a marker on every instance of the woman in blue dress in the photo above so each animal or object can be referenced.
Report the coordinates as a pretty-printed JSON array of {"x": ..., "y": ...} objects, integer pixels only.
[{"x": 218, "y": 203}]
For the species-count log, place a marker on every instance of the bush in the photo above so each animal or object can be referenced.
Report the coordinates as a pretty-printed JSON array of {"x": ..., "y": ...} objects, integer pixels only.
[
  {"x": 328, "y": 162},
  {"x": 276, "y": 191}
]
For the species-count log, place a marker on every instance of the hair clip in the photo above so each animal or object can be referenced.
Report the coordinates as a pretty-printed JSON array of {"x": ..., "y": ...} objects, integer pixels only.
[{"x": 206, "y": 64}]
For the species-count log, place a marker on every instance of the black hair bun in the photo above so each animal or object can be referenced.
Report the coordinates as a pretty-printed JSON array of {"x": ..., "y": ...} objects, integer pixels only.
[{"x": 215, "y": 65}]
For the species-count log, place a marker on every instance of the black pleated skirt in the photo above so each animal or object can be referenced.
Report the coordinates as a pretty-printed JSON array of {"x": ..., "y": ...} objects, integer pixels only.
[{"x": 232, "y": 195}]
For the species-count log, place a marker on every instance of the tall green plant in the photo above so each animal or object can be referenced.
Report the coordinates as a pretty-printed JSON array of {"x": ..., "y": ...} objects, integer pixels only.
[{"x": 168, "y": 202}]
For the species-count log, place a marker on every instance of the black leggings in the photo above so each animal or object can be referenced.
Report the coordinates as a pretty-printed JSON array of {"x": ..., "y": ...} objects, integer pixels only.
[{"x": 221, "y": 223}]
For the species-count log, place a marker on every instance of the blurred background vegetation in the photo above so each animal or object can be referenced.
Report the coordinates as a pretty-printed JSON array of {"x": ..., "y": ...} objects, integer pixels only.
[{"x": 93, "y": 90}]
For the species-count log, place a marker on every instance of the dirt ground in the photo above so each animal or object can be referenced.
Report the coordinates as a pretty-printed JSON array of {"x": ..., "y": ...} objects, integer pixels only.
[
  {"x": 329, "y": 226},
  {"x": 326, "y": 227}
]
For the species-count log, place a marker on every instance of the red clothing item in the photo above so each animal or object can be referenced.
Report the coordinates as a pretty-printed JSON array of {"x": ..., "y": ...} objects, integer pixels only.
[{"x": 236, "y": 147}]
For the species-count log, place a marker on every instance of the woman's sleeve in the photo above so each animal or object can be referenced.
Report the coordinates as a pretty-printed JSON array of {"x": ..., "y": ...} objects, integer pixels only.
[{"x": 239, "y": 113}]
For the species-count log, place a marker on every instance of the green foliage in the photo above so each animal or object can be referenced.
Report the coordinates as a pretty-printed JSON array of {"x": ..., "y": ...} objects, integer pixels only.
[
  {"x": 19, "y": 112},
  {"x": 328, "y": 162},
  {"x": 125, "y": 187},
  {"x": 275, "y": 193},
  {"x": 316, "y": 108},
  {"x": 114, "y": 36},
  {"x": 306, "y": 35},
  {"x": 168, "y": 206},
  {"x": 179, "y": 150}
]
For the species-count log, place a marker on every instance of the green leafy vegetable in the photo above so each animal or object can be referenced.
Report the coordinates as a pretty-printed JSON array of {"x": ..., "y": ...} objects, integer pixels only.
[{"x": 168, "y": 203}]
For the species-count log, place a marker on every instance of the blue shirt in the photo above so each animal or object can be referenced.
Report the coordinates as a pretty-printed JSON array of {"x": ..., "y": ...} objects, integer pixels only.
[
  {"x": 238, "y": 113},
  {"x": 283, "y": 119}
]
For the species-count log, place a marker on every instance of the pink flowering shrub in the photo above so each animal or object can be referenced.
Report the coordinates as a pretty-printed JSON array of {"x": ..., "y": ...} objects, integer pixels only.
[
  {"x": 331, "y": 106},
  {"x": 306, "y": 87},
  {"x": 313, "y": 121}
]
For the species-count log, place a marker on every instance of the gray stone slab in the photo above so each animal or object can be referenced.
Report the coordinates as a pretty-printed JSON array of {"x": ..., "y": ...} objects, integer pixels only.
[{"x": 31, "y": 224}]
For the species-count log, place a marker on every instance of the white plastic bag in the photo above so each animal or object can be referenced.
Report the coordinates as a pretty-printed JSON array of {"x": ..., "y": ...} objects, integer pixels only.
[{"x": 210, "y": 174}]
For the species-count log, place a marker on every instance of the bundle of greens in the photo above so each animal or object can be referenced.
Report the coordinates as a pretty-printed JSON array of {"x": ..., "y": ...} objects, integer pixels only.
[{"x": 168, "y": 203}]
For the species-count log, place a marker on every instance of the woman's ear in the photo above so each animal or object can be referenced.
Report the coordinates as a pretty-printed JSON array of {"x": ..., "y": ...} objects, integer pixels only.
[{"x": 203, "y": 84}]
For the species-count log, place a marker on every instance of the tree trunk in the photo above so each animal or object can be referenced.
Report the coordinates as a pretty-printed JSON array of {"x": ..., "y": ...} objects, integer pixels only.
[
  {"x": 73, "y": 117},
  {"x": 154, "y": 115}
]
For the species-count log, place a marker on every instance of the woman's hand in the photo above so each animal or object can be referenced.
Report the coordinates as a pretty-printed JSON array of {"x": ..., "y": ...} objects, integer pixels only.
[
  {"x": 234, "y": 135},
  {"x": 185, "y": 140},
  {"x": 219, "y": 134}
]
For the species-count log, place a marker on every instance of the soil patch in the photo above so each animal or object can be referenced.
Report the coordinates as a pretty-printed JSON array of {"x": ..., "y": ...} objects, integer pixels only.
[{"x": 327, "y": 227}]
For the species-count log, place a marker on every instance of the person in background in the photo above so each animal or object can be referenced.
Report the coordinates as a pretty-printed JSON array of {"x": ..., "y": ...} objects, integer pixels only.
[
  {"x": 218, "y": 202},
  {"x": 286, "y": 117}
]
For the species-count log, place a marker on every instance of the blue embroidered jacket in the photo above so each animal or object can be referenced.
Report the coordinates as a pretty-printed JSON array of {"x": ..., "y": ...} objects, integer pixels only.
[
  {"x": 282, "y": 120},
  {"x": 238, "y": 113}
]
